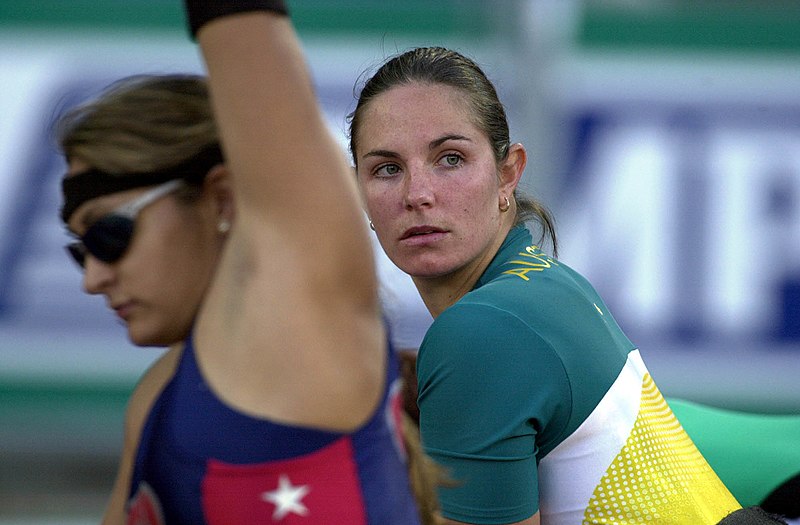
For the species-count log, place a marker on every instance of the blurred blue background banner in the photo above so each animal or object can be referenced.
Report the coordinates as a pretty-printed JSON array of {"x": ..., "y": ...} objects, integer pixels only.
[{"x": 664, "y": 135}]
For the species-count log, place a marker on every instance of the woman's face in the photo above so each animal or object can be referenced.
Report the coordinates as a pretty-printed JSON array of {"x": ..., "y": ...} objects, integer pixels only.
[
  {"x": 429, "y": 180},
  {"x": 158, "y": 284}
]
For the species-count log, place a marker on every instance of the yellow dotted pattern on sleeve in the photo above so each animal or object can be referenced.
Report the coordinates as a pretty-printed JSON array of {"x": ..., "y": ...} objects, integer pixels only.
[{"x": 659, "y": 476}]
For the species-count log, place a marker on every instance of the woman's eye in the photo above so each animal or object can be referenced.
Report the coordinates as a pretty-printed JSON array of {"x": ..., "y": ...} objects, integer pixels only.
[
  {"x": 452, "y": 159},
  {"x": 387, "y": 170}
]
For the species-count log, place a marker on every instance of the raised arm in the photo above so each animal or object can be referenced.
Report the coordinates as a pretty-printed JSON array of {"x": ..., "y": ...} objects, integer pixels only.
[
  {"x": 289, "y": 172},
  {"x": 294, "y": 306}
]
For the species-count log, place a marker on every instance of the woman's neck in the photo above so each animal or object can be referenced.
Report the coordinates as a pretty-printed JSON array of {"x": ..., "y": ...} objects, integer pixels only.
[{"x": 440, "y": 293}]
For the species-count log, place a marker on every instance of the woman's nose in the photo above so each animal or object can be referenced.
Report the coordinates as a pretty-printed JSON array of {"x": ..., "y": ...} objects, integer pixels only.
[
  {"x": 96, "y": 275},
  {"x": 418, "y": 190}
]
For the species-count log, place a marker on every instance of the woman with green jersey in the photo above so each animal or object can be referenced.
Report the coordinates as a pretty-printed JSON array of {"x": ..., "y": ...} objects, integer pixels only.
[{"x": 531, "y": 397}]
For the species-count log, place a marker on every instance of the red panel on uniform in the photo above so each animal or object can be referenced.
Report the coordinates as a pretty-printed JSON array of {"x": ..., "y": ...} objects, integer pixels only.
[{"x": 322, "y": 487}]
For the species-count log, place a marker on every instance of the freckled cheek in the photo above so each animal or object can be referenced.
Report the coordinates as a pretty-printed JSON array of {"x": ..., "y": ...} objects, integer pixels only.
[
  {"x": 469, "y": 209},
  {"x": 381, "y": 206}
]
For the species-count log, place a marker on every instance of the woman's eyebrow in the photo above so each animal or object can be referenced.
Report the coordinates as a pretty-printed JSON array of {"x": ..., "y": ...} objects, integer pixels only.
[
  {"x": 92, "y": 215},
  {"x": 432, "y": 145},
  {"x": 441, "y": 140},
  {"x": 380, "y": 153}
]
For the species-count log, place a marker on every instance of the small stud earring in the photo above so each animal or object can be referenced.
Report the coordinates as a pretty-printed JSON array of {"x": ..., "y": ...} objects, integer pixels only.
[
  {"x": 371, "y": 226},
  {"x": 224, "y": 226}
]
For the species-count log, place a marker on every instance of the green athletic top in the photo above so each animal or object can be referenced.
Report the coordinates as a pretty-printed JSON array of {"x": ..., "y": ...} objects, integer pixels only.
[
  {"x": 534, "y": 400},
  {"x": 753, "y": 454}
]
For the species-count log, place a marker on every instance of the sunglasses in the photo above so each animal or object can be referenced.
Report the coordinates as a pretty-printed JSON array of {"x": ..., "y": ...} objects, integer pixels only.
[{"x": 108, "y": 238}]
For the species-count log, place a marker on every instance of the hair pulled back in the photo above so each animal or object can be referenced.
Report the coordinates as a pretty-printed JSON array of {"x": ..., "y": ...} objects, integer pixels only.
[{"x": 438, "y": 65}]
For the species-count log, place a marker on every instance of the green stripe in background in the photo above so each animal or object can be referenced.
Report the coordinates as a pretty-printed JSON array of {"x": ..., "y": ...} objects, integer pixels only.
[
  {"x": 733, "y": 26},
  {"x": 751, "y": 26},
  {"x": 442, "y": 18},
  {"x": 20, "y": 399}
]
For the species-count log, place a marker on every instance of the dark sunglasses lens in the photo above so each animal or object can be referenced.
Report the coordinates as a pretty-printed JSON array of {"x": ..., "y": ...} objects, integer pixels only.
[
  {"x": 109, "y": 238},
  {"x": 78, "y": 252}
]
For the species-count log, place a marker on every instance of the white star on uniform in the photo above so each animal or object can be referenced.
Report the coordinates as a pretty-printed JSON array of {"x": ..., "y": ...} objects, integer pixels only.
[{"x": 287, "y": 498}]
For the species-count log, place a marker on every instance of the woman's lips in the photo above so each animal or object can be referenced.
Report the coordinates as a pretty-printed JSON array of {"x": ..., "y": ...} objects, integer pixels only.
[
  {"x": 123, "y": 310},
  {"x": 420, "y": 235}
]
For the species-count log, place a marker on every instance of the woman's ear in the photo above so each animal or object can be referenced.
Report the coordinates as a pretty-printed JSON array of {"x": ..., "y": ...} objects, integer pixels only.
[
  {"x": 512, "y": 168},
  {"x": 217, "y": 185}
]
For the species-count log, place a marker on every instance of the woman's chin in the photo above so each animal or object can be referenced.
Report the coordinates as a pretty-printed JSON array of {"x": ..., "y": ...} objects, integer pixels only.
[{"x": 149, "y": 338}]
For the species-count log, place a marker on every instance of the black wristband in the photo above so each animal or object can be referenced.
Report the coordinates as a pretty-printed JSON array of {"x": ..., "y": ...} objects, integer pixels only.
[{"x": 198, "y": 12}]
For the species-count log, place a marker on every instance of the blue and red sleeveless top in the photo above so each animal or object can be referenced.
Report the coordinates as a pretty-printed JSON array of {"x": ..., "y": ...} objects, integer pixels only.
[{"x": 199, "y": 461}]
